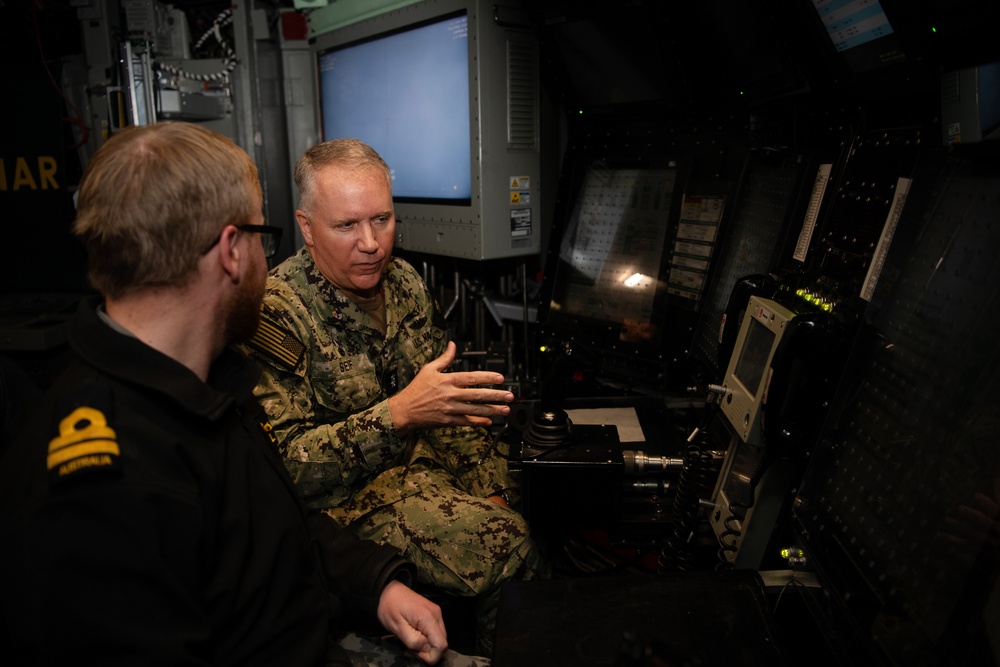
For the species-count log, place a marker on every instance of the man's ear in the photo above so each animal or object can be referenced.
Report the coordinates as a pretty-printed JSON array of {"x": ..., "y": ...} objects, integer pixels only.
[
  {"x": 229, "y": 252},
  {"x": 305, "y": 226}
]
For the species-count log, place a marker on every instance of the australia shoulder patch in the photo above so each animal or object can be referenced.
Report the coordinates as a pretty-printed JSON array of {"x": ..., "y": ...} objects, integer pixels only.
[
  {"x": 277, "y": 344},
  {"x": 86, "y": 445}
]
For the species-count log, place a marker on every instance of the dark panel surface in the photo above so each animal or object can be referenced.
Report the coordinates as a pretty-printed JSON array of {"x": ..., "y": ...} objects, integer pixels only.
[
  {"x": 900, "y": 505},
  {"x": 698, "y": 618}
]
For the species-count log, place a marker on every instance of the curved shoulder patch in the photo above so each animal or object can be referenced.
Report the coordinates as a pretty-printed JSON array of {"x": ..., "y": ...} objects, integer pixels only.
[
  {"x": 86, "y": 444},
  {"x": 277, "y": 344}
]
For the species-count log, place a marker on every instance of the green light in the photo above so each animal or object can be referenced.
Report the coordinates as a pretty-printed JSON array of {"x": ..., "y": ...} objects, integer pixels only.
[
  {"x": 933, "y": 29},
  {"x": 543, "y": 349},
  {"x": 827, "y": 307}
]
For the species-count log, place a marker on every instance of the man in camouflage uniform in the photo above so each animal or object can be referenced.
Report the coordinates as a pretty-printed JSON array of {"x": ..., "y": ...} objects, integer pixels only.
[{"x": 372, "y": 428}]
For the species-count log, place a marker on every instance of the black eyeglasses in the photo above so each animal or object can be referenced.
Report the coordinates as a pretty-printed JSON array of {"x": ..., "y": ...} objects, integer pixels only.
[{"x": 270, "y": 237}]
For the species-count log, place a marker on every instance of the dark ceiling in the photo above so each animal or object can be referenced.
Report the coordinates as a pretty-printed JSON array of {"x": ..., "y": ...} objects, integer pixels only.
[
  {"x": 597, "y": 53},
  {"x": 706, "y": 51}
]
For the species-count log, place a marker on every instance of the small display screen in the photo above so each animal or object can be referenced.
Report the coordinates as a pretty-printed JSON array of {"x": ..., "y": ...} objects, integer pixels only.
[
  {"x": 406, "y": 94},
  {"x": 861, "y": 33},
  {"x": 852, "y": 23},
  {"x": 753, "y": 356}
]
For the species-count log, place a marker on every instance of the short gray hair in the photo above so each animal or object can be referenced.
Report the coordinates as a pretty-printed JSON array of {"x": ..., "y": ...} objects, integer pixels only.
[{"x": 345, "y": 153}]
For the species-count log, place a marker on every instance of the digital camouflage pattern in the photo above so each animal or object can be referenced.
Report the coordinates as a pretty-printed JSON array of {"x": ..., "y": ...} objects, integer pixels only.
[
  {"x": 327, "y": 382},
  {"x": 329, "y": 371},
  {"x": 390, "y": 652},
  {"x": 460, "y": 544}
]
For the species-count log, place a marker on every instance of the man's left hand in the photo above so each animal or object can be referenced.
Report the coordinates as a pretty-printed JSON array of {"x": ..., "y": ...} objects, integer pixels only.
[{"x": 415, "y": 620}]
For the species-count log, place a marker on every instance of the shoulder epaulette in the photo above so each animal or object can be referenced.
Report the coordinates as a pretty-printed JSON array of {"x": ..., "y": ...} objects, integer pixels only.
[
  {"x": 87, "y": 445},
  {"x": 277, "y": 344}
]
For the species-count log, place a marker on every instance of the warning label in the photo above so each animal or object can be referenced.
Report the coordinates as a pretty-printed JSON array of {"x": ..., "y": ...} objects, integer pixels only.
[{"x": 520, "y": 222}]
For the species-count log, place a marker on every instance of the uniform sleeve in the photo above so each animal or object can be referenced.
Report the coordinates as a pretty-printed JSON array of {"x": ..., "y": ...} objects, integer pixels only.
[
  {"x": 97, "y": 581},
  {"x": 467, "y": 452},
  {"x": 308, "y": 395},
  {"x": 357, "y": 570}
]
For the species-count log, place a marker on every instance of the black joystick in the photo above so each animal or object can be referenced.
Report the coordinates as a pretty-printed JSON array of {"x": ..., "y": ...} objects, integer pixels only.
[{"x": 549, "y": 428}]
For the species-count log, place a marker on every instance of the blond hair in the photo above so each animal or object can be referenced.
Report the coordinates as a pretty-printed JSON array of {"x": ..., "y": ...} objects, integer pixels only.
[{"x": 154, "y": 198}]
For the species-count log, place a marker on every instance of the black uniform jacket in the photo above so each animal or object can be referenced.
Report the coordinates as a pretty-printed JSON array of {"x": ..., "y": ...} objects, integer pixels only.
[{"x": 147, "y": 519}]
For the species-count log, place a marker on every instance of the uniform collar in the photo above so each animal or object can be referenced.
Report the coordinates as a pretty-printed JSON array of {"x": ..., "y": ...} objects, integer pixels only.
[
  {"x": 335, "y": 305},
  {"x": 232, "y": 376}
]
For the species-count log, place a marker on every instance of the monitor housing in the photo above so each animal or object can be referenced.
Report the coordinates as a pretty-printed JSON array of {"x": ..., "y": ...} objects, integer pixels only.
[
  {"x": 861, "y": 33},
  {"x": 970, "y": 104},
  {"x": 749, "y": 372},
  {"x": 449, "y": 97},
  {"x": 606, "y": 283}
]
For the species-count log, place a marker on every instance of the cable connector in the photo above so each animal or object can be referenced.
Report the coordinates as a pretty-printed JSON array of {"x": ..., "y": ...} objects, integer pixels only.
[{"x": 715, "y": 391}]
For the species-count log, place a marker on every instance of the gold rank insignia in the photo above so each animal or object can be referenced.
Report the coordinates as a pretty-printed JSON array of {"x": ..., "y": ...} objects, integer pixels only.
[{"x": 85, "y": 443}]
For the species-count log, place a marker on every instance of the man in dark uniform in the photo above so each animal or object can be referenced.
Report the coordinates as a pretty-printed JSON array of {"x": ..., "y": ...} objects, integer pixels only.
[{"x": 146, "y": 516}]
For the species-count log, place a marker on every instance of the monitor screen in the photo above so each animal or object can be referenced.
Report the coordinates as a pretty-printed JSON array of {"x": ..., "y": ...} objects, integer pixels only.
[
  {"x": 406, "y": 94},
  {"x": 861, "y": 33},
  {"x": 854, "y": 22},
  {"x": 612, "y": 252},
  {"x": 754, "y": 356},
  {"x": 764, "y": 324},
  {"x": 989, "y": 98},
  {"x": 606, "y": 283}
]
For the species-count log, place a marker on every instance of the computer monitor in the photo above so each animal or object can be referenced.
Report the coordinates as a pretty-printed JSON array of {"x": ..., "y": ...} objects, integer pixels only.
[
  {"x": 449, "y": 97},
  {"x": 861, "y": 32},
  {"x": 749, "y": 371},
  {"x": 607, "y": 279},
  {"x": 970, "y": 104}
]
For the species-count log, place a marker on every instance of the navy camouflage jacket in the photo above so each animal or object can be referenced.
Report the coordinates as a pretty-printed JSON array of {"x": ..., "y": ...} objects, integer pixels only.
[{"x": 328, "y": 372}]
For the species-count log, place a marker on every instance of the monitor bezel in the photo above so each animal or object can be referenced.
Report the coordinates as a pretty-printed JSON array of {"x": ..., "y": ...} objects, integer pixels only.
[
  {"x": 741, "y": 405},
  {"x": 504, "y": 216}
]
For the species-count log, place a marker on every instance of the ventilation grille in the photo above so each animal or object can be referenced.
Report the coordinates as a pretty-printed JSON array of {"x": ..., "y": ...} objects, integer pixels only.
[
  {"x": 951, "y": 89},
  {"x": 522, "y": 92}
]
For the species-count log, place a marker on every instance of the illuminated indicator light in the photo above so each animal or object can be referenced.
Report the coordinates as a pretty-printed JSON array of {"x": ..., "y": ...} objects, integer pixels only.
[
  {"x": 827, "y": 307},
  {"x": 633, "y": 280},
  {"x": 800, "y": 292},
  {"x": 543, "y": 348}
]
